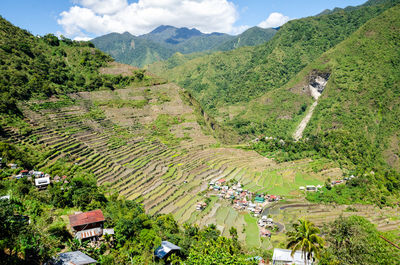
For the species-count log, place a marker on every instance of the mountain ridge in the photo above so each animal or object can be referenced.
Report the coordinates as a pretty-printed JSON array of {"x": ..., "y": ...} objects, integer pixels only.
[{"x": 164, "y": 41}]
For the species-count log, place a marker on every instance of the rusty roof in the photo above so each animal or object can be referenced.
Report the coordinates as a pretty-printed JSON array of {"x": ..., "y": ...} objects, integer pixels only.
[{"x": 86, "y": 218}]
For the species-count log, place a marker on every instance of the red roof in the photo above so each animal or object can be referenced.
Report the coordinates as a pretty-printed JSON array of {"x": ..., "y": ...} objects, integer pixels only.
[
  {"x": 24, "y": 171},
  {"x": 86, "y": 218},
  {"x": 221, "y": 180}
]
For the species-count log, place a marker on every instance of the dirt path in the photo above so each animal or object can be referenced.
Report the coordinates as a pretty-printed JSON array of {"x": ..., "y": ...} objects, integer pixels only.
[{"x": 303, "y": 124}]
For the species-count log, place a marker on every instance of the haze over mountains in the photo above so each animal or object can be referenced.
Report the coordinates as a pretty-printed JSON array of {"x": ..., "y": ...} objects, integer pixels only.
[{"x": 164, "y": 41}]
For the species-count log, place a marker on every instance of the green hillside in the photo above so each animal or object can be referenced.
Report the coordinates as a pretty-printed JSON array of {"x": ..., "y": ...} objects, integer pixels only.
[
  {"x": 360, "y": 106},
  {"x": 251, "y": 37},
  {"x": 356, "y": 120},
  {"x": 45, "y": 66},
  {"x": 225, "y": 82},
  {"x": 356, "y": 117}
]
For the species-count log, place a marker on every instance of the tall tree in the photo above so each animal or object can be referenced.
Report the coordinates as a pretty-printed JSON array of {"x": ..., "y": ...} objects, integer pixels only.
[{"x": 305, "y": 238}]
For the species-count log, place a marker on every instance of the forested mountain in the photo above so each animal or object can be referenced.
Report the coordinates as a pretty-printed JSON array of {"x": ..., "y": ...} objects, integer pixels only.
[
  {"x": 225, "y": 82},
  {"x": 265, "y": 91},
  {"x": 164, "y": 41},
  {"x": 126, "y": 48},
  {"x": 160, "y": 44},
  {"x": 185, "y": 40}
]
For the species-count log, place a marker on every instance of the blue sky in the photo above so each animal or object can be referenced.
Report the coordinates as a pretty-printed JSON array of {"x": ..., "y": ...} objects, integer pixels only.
[{"x": 90, "y": 18}]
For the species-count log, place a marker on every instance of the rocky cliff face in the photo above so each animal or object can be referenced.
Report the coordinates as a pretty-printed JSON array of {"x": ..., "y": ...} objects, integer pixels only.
[{"x": 317, "y": 84}]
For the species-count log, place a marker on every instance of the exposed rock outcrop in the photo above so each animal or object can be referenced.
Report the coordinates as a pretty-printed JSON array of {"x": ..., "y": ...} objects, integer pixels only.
[{"x": 317, "y": 84}]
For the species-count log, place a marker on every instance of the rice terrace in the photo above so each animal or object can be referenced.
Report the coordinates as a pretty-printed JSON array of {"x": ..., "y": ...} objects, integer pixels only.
[
  {"x": 200, "y": 132},
  {"x": 152, "y": 145}
]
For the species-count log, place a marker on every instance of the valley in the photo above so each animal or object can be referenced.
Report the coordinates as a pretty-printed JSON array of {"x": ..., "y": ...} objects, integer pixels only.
[
  {"x": 221, "y": 149},
  {"x": 149, "y": 145}
]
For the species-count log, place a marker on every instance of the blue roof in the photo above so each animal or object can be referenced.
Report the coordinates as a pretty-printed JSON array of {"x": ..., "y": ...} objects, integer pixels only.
[{"x": 165, "y": 248}]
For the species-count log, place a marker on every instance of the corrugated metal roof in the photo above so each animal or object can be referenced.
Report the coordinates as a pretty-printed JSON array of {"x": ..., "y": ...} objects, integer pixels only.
[
  {"x": 86, "y": 218},
  {"x": 75, "y": 257},
  {"x": 165, "y": 248},
  {"x": 284, "y": 256},
  {"x": 42, "y": 181}
]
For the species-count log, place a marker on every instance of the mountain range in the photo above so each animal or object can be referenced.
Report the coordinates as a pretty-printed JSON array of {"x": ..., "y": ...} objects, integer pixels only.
[{"x": 164, "y": 41}]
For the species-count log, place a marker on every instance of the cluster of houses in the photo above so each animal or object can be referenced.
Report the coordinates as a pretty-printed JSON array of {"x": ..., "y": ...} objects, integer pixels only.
[
  {"x": 89, "y": 226},
  {"x": 41, "y": 179},
  {"x": 264, "y": 223},
  {"x": 312, "y": 188},
  {"x": 242, "y": 199}
]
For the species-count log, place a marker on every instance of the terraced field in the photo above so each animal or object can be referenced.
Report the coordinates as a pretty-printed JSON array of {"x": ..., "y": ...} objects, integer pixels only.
[
  {"x": 386, "y": 219},
  {"x": 148, "y": 144}
]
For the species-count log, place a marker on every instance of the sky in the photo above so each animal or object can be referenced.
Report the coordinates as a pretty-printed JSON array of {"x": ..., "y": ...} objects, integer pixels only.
[{"x": 86, "y": 19}]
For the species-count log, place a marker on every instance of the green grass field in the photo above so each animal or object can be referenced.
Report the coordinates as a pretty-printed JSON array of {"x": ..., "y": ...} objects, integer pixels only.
[{"x": 252, "y": 232}]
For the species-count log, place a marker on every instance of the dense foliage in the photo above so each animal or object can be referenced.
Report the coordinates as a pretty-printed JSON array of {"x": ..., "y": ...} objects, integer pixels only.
[
  {"x": 43, "y": 66},
  {"x": 354, "y": 240},
  {"x": 305, "y": 238}
]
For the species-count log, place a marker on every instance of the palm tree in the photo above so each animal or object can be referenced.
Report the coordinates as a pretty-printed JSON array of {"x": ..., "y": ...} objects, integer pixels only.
[{"x": 305, "y": 238}]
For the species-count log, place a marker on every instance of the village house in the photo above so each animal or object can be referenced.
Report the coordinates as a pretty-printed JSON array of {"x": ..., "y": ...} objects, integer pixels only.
[
  {"x": 87, "y": 225},
  {"x": 201, "y": 206},
  {"x": 166, "y": 249},
  {"x": 42, "y": 183},
  {"x": 221, "y": 182},
  {"x": 311, "y": 188},
  {"x": 37, "y": 174},
  {"x": 72, "y": 258},
  {"x": 284, "y": 257},
  {"x": 266, "y": 222},
  {"x": 24, "y": 173},
  {"x": 337, "y": 182},
  {"x": 264, "y": 232},
  {"x": 56, "y": 179}
]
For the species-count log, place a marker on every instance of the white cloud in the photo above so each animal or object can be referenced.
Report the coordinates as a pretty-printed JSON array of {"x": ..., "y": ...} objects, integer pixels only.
[
  {"x": 274, "y": 20},
  {"x": 103, "y": 6},
  {"x": 98, "y": 17},
  {"x": 239, "y": 29},
  {"x": 82, "y": 38}
]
